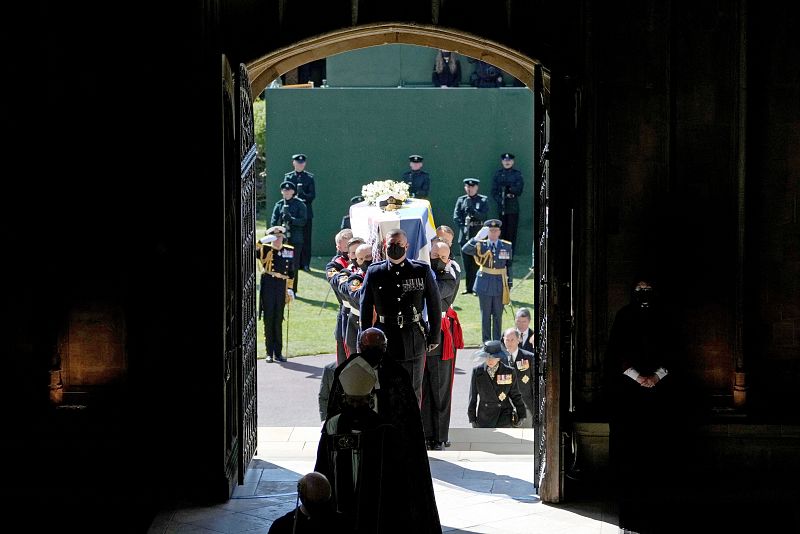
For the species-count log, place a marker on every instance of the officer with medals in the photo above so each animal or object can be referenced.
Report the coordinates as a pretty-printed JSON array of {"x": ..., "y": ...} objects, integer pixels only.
[
  {"x": 494, "y": 393},
  {"x": 507, "y": 184},
  {"x": 307, "y": 192},
  {"x": 523, "y": 362},
  {"x": 291, "y": 213},
  {"x": 396, "y": 291},
  {"x": 278, "y": 270},
  {"x": 419, "y": 181},
  {"x": 493, "y": 280},
  {"x": 470, "y": 212},
  {"x": 333, "y": 267}
]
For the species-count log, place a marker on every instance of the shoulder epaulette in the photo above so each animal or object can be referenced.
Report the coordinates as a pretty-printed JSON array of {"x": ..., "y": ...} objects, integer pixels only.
[
  {"x": 311, "y": 174},
  {"x": 288, "y": 174},
  {"x": 483, "y": 197}
]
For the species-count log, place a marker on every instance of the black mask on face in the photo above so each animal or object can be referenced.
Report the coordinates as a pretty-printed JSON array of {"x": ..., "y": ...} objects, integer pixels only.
[
  {"x": 395, "y": 251},
  {"x": 643, "y": 297},
  {"x": 438, "y": 264},
  {"x": 365, "y": 264}
]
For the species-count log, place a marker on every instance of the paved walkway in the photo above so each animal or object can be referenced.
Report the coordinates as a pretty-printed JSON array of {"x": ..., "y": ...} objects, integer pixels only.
[
  {"x": 483, "y": 484},
  {"x": 295, "y": 384}
]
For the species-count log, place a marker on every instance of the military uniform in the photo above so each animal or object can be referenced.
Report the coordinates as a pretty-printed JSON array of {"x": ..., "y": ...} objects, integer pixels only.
[
  {"x": 494, "y": 393},
  {"x": 346, "y": 219},
  {"x": 506, "y": 188},
  {"x": 332, "y": 269},
  {"x": 493, "y": 280},
  {"x": 350, "y": 286},
  {"x": 524, "y": 363},
  {"x": 437, "y": 382},
  {"x": 279, "y": 271},
  {"x": 469, "y": 214},
  {"x": 419, "y": 182},
  {"x": 292, "y": 214},
  {"x": 306, "y": 191},
  {"x": 398, "y": 293}
]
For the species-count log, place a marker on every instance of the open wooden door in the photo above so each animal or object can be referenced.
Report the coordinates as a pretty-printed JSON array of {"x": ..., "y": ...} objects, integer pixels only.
[{"x": 246, "y": 376}]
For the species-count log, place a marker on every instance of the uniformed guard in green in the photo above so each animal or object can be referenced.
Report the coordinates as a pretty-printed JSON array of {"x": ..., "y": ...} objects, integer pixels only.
[
  {"x": 306, "y": 189},
  {"x": 470, "y": 212},
  {"x": 419, "y": 181},
  {"x": 507, "y": 184},
  {"x": 291, "y": 213}
]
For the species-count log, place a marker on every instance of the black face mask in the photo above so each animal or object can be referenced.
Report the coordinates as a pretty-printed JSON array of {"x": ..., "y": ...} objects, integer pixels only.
[
  {"x": 438, "y": 264},
  {"x": 365, "y": 264},
  {"x": 395, "y": 251},
  {"x": 643, "y": 298}
]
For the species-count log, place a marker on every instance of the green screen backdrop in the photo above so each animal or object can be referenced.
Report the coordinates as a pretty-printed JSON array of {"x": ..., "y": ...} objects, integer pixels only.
[{"x": 353, "y": 136}]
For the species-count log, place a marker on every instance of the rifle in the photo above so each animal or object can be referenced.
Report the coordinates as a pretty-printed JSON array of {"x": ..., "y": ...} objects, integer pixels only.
[{"x": 286, "y": 220}]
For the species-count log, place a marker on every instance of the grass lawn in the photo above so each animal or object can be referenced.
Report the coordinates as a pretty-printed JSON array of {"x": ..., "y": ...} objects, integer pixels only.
[{"x": 312, "y": 316}]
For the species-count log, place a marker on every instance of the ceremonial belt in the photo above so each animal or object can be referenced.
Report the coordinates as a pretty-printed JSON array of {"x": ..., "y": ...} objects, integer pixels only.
[
  {"x": 347, "y": 304},
  {"x": 400, "y": 320},
  {"x": 276, "y": 275},
  {"x": 355, "y": 311},
  {"x": 492, "y": 270}
]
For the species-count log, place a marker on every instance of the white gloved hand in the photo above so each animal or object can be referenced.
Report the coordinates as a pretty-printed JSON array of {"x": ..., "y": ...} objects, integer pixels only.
[
  {"x": 482, "y": 233},
  {"x": 268, "y": 239},
  {"x": 290, "y": 293}
]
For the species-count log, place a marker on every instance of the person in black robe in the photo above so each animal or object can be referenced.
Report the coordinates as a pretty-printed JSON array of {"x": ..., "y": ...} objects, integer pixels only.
[
  {"x": 395, "y": 401},
  {"x": 359, "y": 452},
  {"x": 646, "y": 393}
]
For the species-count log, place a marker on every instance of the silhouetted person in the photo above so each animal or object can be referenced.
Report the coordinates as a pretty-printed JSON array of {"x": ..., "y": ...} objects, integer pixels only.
[
  {"x": 395, "y": 401},
  {"x": 645, "y": 438},
  {"x": 314, "y": 512}
]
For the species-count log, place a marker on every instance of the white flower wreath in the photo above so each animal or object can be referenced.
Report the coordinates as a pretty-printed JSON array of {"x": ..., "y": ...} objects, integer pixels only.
[{"x": 373, "y": 190}]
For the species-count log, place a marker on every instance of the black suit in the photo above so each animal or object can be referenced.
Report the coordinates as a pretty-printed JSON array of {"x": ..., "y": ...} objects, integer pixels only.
[
  {"x": 490, "y": 399},
  {"x": 528, "y": 345},
  {"x": 525, "y": 366}
]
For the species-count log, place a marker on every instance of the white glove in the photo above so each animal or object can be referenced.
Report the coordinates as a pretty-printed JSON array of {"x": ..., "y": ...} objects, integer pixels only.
[
  {"x": 268, "y": 239},
  {"x": 482, "y": 233},
  {"x": 290, "y": 293}
]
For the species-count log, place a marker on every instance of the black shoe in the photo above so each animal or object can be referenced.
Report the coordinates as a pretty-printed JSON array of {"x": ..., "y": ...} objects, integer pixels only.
[
  {"x": 437, "y": 446},
  {"x": 269, "y": 359},
  {"x": 466, "y": 292},
  {"x": 447, "y": 443},
  {"x": 307, "y": 269},
  {"x": 280, "y": 358}
]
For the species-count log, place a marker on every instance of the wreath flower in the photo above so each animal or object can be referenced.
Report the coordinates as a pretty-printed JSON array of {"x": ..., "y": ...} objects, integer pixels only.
[{"x": 378, "y": 188}]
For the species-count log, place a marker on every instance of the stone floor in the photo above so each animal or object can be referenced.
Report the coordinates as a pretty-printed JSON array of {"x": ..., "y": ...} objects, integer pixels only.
[{"x": 483, "y": 484}]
